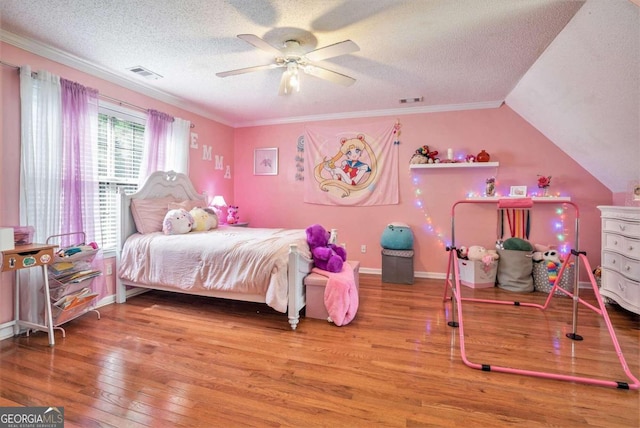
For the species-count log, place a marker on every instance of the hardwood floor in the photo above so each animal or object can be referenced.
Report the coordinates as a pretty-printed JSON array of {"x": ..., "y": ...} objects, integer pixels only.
[{"x": 166, "y": 360}]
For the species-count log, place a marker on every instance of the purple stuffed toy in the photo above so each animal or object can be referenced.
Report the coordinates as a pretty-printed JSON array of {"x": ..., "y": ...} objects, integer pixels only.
[{"x": 329, "y": 257}]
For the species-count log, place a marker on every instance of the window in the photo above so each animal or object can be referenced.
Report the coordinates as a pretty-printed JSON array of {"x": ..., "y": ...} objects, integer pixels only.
[{"x": 120, "y": 145}]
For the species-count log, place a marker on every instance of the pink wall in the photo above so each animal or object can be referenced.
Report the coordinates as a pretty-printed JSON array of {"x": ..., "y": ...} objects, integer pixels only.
[
  {"x": 523, "y": 153},
  {"x": 277, "y": 201},
  {"x": 203, "y": 173}
]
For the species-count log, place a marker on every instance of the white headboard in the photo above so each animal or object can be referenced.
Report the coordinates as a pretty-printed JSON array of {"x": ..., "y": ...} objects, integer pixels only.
[{"x": 159, "y": 184}]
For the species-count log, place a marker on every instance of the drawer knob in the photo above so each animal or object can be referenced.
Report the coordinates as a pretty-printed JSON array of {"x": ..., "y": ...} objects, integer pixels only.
[
  {"x": 627, "y": 268},
  {"x": 615, "y": 242},
  {"x": 620, "y": 286},
  {"x": 630, "y": 247},
  {"x": 622, "y": 227}
]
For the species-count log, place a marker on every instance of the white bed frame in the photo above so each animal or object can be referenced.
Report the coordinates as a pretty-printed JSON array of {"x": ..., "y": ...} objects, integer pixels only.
[{"x": 161, "y": 184}]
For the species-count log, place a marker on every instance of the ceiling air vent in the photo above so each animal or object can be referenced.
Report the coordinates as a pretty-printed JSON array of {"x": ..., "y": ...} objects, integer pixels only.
[
  {"x": 411, "y": 100},
  {"x": 143, "y": 72}
]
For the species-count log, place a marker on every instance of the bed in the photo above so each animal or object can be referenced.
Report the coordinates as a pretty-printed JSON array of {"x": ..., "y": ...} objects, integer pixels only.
[{"x": 238, "y": 263}]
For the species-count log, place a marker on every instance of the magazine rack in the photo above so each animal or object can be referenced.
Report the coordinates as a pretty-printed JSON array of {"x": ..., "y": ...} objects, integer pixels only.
[
  {"x": 452, "y": 283},
  {"x": 70, "y": 277}
]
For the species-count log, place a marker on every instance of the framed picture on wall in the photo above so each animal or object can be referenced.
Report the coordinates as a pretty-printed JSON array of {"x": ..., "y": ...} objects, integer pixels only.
[
  {"x": 265, "y": 161},
  {"x": 518, "y": 191}
]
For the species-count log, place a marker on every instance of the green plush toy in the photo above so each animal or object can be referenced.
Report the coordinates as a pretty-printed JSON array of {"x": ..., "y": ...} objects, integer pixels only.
[{"x": 517, "y": 244}]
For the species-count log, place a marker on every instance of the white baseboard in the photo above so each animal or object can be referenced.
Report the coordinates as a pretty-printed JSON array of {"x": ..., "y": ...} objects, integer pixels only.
[{"x": 442, "y": 275}]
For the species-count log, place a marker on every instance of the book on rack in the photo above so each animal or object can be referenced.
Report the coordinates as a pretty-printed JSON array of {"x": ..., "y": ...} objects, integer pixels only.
[
  {"x": 61, "y": 267},
  {"x": 75, "y": 299},
  {"x": 78, "y": 276}
]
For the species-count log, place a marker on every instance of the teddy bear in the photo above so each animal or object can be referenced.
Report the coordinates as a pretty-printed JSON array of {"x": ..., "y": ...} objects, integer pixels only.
[
  {"x": 326, "y": 256},
  {"x": 232, "y": 214},
  {"x": 177, "y": 221},
  {"x": 203, "y": 220}
]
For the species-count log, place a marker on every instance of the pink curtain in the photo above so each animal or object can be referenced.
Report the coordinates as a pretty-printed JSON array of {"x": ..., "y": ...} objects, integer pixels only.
[
  {"x": 80, "y": 188},
  {"x": 157, "y": 135}
]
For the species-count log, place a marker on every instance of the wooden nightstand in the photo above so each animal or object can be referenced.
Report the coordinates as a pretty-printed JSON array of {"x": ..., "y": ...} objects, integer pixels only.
[{"x": 24, "y": 257}]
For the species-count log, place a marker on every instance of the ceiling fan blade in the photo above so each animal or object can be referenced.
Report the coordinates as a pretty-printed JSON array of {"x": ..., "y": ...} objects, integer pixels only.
[
  {"x": 256, "y": 41},
  {"x": 332, "y": 76},
  {"x": 246, "y": 70},
  {"x": 337, "y": 49}
]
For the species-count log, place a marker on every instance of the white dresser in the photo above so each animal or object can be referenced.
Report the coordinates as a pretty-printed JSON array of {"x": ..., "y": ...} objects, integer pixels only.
[{"x": 621, "y": 255}]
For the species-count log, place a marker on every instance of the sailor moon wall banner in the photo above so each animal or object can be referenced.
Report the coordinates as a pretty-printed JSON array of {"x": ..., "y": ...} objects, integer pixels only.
[{"x": 351, "y": 165}]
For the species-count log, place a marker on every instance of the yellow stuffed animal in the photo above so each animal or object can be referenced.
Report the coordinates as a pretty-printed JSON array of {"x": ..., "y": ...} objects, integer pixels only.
[{"x": 203, "y": 220}]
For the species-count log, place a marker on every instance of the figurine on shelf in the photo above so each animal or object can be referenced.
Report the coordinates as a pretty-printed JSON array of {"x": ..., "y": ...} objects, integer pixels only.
[{"x": 490, "y": 187}]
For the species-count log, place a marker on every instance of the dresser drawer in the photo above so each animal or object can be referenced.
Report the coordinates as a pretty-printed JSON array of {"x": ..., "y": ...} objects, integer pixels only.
[
  {"x": 624, "y": 291},
  {"x": 621, "y": 227},
  {"x": 621, "y": 244},
  {"x": 26, "y": 257},
  {"x": 619, "y": 263}
]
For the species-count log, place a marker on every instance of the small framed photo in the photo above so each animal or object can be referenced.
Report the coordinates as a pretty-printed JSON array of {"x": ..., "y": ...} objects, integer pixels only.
[
  {"x": 518, "y": 191},
  {"x": 265, "y": 161},
  {"x": 635, "y": 192}
]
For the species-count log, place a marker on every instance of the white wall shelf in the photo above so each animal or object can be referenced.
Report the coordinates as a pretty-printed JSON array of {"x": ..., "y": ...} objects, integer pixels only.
[
  {"x": 454, "y": 165},
  {"x": 533, "y": 198}
]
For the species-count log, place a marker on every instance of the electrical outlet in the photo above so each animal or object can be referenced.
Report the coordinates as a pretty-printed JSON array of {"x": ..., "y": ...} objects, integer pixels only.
[
  {"x": 363, "y": 248},
  {"x": 109, "y": 269}
]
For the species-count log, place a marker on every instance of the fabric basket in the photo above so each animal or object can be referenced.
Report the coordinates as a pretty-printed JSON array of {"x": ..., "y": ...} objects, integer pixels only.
[
  {"x": 545, "y": 274},
  {"x": 515, "y": 271}
]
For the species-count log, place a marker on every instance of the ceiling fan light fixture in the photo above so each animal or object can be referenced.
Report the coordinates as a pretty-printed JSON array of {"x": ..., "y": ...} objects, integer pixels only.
[{"x": 293, "y": 78}]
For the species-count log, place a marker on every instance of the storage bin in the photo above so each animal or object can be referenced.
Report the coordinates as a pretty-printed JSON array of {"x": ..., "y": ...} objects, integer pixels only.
[
  {"x": 543, "y": 277},
  {"x": 476, "y": 274},
  {"x": 397, "y": 266},
  {"x": 23, "y": 235},
  {"x": 515, "y": 270}
]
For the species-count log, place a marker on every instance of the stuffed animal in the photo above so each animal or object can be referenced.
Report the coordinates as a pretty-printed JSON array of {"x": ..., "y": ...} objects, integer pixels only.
[
  {"x": 463, "y": 252},
  {"x": 203, "y": 220},
  {"x": 397, "y": 236},
  {"x": 329, "y": 257},
  {"x": 232, "y": 214},
  {"x": 518, "y": 244},
  {"x": 424, "y": 155},
  {"x": 477, "y": 252},
  {"x": 177, "y": 221},
  {"x": 418, "y": 159}
]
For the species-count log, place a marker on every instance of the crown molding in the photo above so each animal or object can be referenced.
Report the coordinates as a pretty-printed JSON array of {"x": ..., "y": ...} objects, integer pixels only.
[
  {"x": 373, "y": 113},
  {"x": 80, "y": 64}
]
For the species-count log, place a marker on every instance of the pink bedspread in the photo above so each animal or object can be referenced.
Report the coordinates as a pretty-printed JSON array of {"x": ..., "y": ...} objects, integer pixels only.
[{"x": 235, "y": 259}]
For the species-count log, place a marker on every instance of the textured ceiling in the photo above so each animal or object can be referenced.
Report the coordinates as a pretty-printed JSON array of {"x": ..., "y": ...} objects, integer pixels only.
[{"x": 454, "y": 53}]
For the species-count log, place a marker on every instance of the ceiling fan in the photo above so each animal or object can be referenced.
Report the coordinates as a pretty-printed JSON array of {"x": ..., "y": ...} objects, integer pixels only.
[{"x": 293, "y": 59}]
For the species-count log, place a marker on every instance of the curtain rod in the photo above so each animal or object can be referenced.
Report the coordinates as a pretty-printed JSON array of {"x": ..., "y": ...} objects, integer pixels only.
[
  {"x": 6, "y": 64},
  {"x": 119, "y": 102},
  {"x": 105, "y": 97}
]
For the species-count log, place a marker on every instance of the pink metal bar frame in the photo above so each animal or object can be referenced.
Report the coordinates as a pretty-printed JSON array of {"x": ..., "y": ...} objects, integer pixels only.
[{"x": 452, "y": 282}]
